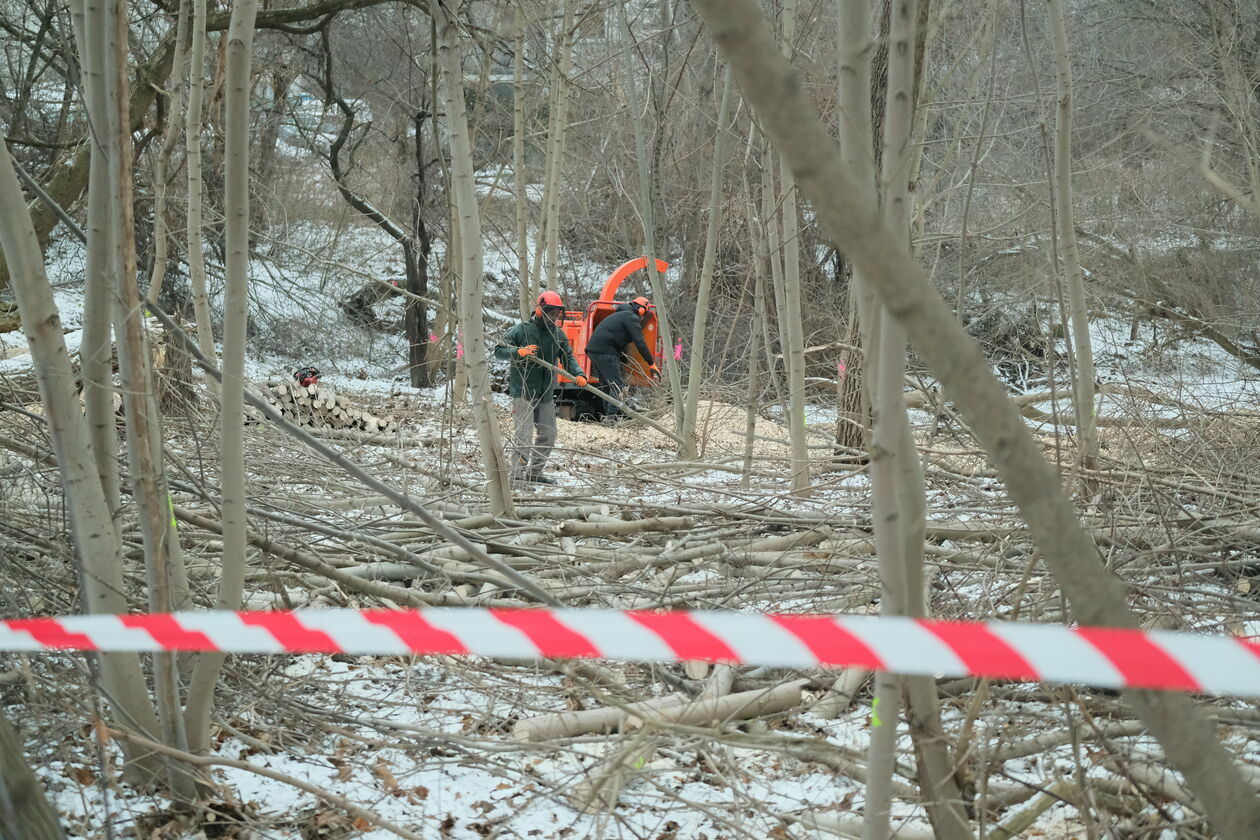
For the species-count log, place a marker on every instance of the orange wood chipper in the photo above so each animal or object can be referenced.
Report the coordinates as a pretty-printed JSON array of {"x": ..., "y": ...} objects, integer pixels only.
[{"x": 578, "y": 324}]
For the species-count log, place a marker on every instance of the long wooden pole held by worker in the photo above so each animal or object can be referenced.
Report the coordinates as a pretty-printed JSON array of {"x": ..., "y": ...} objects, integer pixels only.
[{"x": 611, "y": 400}]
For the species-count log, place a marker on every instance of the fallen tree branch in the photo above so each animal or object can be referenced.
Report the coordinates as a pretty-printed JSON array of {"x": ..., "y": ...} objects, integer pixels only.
[
  {"x": 1016, "y": 824},
  {"x": 625, "y": 528},
  {"x": 402, "y": 500},
  {"x": 396, "y": 594},
  {"x": 712, "y": 710},
  {"x": 586, "y": 721}
]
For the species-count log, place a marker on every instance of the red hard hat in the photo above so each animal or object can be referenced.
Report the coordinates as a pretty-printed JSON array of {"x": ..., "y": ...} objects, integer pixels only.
[
  {"x": 642, "y": 302},
  {"x": 548, "y": 300}
]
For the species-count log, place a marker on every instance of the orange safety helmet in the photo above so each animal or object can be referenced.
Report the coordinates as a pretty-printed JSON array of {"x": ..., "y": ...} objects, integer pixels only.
[
  {"x": 548, "y": 300},
  {"x": 643, "y": 303}
]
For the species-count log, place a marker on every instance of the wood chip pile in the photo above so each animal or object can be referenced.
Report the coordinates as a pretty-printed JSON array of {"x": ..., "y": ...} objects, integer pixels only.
[
  {"x": 722, "y": 427},
  {"x": 321, "y": 407}
]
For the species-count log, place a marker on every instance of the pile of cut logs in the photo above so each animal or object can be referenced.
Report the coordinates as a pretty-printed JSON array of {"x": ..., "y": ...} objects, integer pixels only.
[{"x": 321, "y": 407}]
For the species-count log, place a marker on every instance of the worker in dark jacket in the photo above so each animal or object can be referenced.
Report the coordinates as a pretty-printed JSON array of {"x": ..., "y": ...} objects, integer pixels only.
[
  {"x": 532, "y": 386},
  {"x": 609, "y": 342}
]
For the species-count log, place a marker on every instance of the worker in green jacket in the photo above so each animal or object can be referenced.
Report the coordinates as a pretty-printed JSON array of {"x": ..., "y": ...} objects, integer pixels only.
[{"x": 532, "y": 386}]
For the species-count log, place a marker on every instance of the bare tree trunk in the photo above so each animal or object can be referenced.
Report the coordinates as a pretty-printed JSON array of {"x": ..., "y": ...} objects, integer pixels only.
[
  {"x": 91, "y": 523},
  {"x": 144, "y": 436},
  {"x": 855, "y": 52},
  {"x": 446, "y": 321},
  {"x": 464, "y": 196},
  {"x": 192, "y": 150},
  {"x": 770, "y": 208},
  {"x": 791, "y": 326},
  {"x": 754, "y": 353},
  {"x": 175, "y": 104},
  {"x": 550, "y": 270},
  {"x": 544, "y": 207},
  {"x": 416, "y": 250},
  {"x": 695, "y": 373},
  {"x": 759, "y": 329},
  {"x": 240, "y": 40},
  {"x": 96, "y": 350},
  {"x": 896, "y": 476},
  {"x": 25, "y": 813},
  {"x": 1083, "y": 390},
  {"x": 853, "y": 409},
  {"x": 547, "y": 247},
  {"x": 518, "y": 164},
  {"x": 769, "y": 86},
  {"x": 455, "y": 280},
  {"x": 647, "y": 213},
  {"x": 937, "y": 783}
]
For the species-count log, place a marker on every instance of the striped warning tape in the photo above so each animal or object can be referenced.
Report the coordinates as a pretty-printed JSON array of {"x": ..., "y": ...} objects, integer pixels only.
[{"x": 1104, "y": 657}]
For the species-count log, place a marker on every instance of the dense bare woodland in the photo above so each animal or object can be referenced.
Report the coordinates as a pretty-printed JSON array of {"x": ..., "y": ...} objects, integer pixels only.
[{"x": 958, "y": 320}]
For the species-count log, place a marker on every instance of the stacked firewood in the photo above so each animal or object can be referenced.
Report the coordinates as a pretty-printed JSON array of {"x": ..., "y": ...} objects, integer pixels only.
[{"x": 321, "y": 407}]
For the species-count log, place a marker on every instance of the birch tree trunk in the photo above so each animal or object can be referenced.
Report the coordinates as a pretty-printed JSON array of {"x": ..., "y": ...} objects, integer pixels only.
[
  {"x": 695, "y": 373},
  {"x": 240, "y": 40},
  {"x": 780, "y": 102},
  {"x": 1083, "y": 386},
  {"x": 192, "y": 150},
  {"x": 464, "y": 196},
  {"x": 91, "y": 522}
]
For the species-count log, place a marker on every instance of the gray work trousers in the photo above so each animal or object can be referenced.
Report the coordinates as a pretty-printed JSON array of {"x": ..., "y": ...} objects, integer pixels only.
[{"x": 530, "y": 416}]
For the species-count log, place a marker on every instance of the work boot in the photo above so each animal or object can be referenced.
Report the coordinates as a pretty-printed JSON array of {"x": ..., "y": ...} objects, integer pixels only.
[{"x": 539, "y": 478}]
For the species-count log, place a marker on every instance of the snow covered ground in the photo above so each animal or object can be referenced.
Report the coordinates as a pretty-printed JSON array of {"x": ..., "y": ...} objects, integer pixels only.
[{"x": 426, "y": 745}]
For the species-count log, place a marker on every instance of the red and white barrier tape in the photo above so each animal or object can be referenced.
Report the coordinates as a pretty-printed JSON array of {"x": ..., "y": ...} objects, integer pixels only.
[{"x": 1105, "y": 657}]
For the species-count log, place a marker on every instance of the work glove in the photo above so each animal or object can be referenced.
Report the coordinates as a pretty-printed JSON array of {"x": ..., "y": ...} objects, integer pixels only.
[
  {"x": 581, "y": 381},
  {"x": 654, "y": 369},
  {"x": 527, "y": 350}
]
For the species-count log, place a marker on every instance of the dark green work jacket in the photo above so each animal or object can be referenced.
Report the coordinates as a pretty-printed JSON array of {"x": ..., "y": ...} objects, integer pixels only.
[{"x": 525, "y": 378}]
